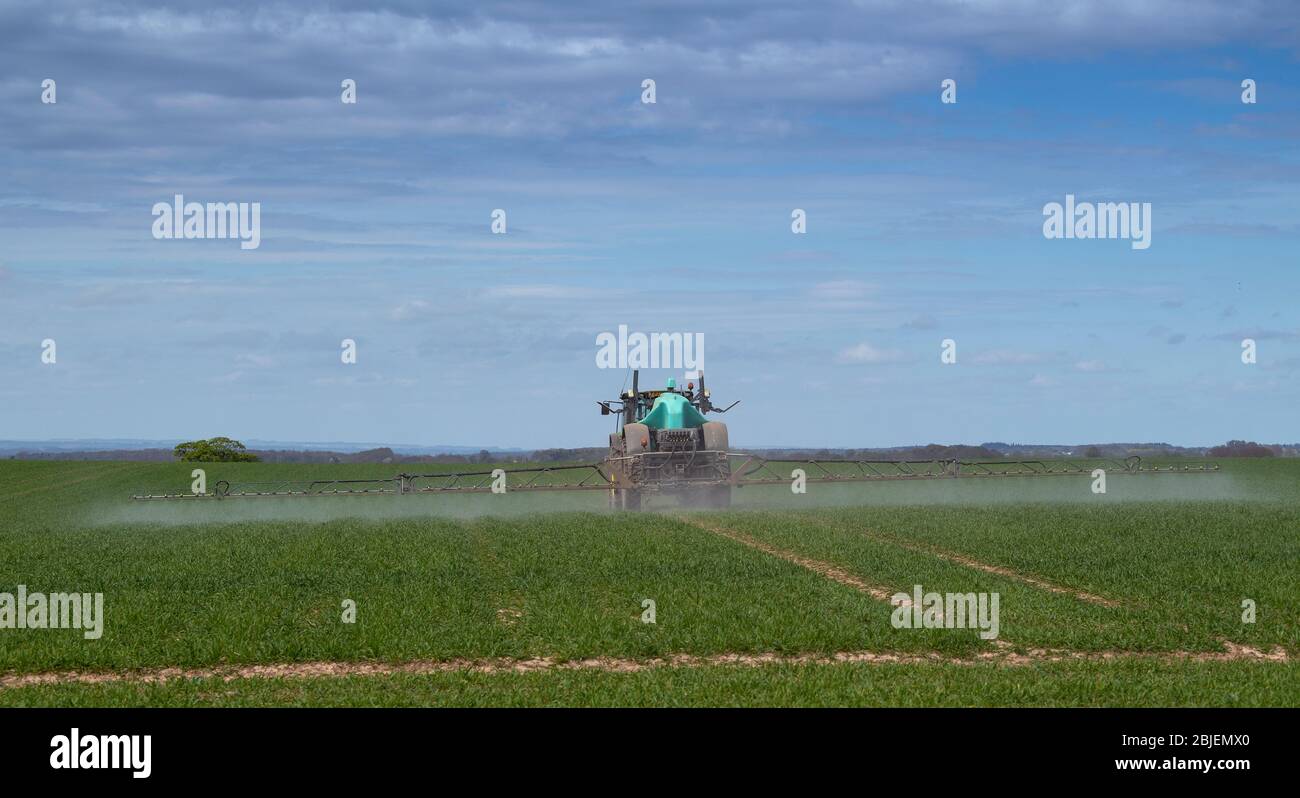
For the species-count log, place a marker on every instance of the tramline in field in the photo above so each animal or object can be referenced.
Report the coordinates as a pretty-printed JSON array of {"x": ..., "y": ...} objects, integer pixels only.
[{"x": 665, "y": 445}]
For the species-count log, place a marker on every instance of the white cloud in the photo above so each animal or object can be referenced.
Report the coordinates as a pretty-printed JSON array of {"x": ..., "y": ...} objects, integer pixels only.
[
  {"x": 1004, "y": 357},
  {"x": 866, "y": 353},
  {"x": 409, "y": 309},
  {"x": 541, "y": 291},
  {"x": 841, "y": 290},
  {"x": 255, "y": 360}
]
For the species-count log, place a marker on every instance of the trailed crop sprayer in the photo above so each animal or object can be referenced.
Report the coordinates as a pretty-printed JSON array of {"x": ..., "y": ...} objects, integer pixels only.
[{"x": 665, "y": 445}]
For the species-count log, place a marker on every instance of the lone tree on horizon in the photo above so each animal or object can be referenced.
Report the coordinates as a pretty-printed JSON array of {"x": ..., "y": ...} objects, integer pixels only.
[{"x": 214, "y": 450}]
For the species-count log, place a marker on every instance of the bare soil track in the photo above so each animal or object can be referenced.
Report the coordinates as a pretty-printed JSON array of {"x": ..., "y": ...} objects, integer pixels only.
[{"x": 316, "y": 670}]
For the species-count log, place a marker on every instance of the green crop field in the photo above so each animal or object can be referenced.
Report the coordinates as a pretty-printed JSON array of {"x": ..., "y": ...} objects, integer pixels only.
[{"x": 1134, "y": 597}]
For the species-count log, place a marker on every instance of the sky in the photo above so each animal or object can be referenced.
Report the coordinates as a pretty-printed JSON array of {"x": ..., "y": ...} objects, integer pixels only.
[{"x": 924, "y": 219}]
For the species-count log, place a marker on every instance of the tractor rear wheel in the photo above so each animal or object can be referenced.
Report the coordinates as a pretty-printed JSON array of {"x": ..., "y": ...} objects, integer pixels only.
[
  {"x": 720, "y": 497},
  {"x": 627, "y": 499},
  {"x": 715, "y": 437},
  {"x": 705, "y": 497}
]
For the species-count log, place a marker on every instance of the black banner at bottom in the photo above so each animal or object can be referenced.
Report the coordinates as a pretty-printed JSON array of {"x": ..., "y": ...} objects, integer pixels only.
[{"x": 332, "y": 747}]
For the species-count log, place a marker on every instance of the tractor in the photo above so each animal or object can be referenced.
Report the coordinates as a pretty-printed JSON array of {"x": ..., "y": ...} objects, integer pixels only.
[{"x": 665, "y": 445}]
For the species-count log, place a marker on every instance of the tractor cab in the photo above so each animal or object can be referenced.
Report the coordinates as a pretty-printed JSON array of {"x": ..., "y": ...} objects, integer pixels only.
[
  {"x": 672, "y": 410},
  {"x": 668, "y": 408}
]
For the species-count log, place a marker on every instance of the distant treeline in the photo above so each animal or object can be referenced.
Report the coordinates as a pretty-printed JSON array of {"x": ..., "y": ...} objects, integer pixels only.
[
  {"x": 1250, "y": 449},
  {"x": 931, "y": 451}
]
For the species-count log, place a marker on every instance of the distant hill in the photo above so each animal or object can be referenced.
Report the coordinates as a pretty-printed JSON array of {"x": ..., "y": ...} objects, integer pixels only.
[{"x": 1230, "y": 449}]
